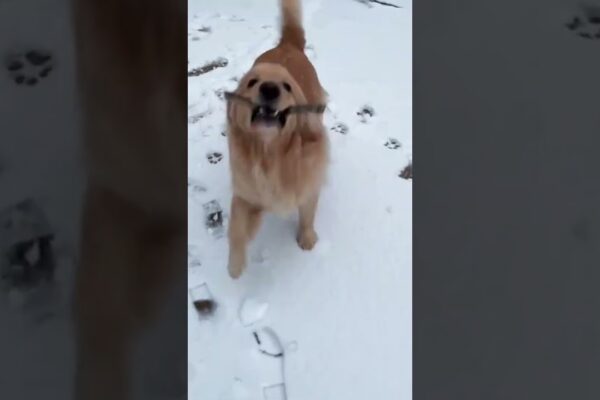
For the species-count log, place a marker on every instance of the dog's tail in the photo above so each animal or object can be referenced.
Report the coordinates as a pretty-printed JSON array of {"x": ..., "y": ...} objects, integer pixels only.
[{"x": 292, "y": 31}]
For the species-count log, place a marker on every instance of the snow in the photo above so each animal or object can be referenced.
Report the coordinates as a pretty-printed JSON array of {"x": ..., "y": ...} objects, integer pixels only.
[
  {"x": 252, "y": 311},
  {"x": 342, "y": 312}
]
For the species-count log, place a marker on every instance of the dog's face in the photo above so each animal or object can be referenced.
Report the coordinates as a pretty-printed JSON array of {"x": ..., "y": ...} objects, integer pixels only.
[{"x": 272, "y": 90}]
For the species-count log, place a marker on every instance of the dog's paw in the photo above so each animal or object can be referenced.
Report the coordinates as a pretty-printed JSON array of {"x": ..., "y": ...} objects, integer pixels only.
[
  {"x": 29, "y": 68},
  {"x": 307, "y": 238},
  {"x": 237, "y": 264},
  {"x": 235, "y": 270}
]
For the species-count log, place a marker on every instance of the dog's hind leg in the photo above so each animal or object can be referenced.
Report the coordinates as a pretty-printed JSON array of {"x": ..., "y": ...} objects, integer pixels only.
[{"x": 243, "y": 225}]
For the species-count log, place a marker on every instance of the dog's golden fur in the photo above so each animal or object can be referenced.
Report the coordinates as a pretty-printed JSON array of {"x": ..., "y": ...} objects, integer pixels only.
[
  {"x": 132, "y": 77},
  {"x": 277, "y": 169}
]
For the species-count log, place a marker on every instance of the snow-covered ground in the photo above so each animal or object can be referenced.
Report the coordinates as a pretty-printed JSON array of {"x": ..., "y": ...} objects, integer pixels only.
[{"x": 341, "y": 314}]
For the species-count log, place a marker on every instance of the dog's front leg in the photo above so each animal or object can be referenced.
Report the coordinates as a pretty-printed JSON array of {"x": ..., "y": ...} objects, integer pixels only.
[
  {"x": 244, "y": 222},
  {"x": 307, "y": 237}
]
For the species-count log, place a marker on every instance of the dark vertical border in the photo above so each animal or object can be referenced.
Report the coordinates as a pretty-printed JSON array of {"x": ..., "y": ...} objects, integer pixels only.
[
  {"x": 43, "y": 176},
  {"x": 506, "y": 202}
]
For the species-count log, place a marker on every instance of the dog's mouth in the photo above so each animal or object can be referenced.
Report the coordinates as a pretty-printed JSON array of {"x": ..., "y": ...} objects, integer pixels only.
[{"x": 267, "y": 115}]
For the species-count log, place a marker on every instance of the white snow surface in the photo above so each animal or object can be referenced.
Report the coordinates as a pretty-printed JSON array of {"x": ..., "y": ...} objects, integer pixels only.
[{"x": 341, "y": 312}]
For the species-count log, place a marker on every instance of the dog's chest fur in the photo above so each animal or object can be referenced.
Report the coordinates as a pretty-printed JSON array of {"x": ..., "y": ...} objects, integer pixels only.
[{"x": 268, "y": 180}]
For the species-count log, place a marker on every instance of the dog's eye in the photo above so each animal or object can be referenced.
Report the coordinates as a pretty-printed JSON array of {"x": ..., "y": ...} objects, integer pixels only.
[
  {"x": 252, "y": 82},
  {"x": 287, "y": 86}
]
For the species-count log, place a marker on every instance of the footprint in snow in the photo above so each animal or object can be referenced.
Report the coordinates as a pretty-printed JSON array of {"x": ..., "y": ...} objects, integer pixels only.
[
  {"x": 196, "y": 186},
  {"x": 214, "y": 158},
  {"x": 220, "y": 93},
  {"x": 340, "y": 128},
  {"x": 203, "y": 301},
  {"x": 265, "y": 380},
  {"x": 366, "y": 113},
  {"x": 200, "y": 33},
  {"x": 261, "y": 365},
  {"x": 214, "y": 218},
  {"x": 586, "y": 22},
  {"x": 31, "y": 67},
  {"x": 393, "y": 144}
]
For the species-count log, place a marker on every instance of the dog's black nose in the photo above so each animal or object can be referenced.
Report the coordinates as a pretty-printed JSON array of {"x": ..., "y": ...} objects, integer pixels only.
[{"x": 269, "y": 91}]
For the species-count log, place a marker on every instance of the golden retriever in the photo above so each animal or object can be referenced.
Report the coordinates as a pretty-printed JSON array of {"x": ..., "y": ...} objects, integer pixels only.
[{"x": 278, "y": 159}]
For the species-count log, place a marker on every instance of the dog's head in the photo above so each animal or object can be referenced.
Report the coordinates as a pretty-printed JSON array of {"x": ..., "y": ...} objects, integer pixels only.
[{"x": 272, "y": 90}]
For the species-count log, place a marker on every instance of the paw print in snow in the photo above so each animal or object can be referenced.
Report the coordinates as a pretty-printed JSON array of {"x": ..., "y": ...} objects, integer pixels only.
[
  {"x": 587, "y": 24},
  {"x": 393, "y": 144},
  {"x": 365, "y": 113},
  {"x": 340, "y": 127},
  {"x": 214, "y": 220},
  {"x": 214, "y": 158},
  {"x": 196, "y": 186},
  {"x": 29, "y": 68},
  {"x": 220, "y": 93}
]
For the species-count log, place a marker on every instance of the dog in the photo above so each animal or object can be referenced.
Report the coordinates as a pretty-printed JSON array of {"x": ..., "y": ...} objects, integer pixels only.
[
  {"x": 131, "y": 67},
  {"x": 278, "y": 159}
]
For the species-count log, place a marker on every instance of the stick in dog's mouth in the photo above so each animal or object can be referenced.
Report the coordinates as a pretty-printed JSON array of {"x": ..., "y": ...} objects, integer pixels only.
[
  {"x": 265, "y": 113},
  {"x": 269, "y": 116}
]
